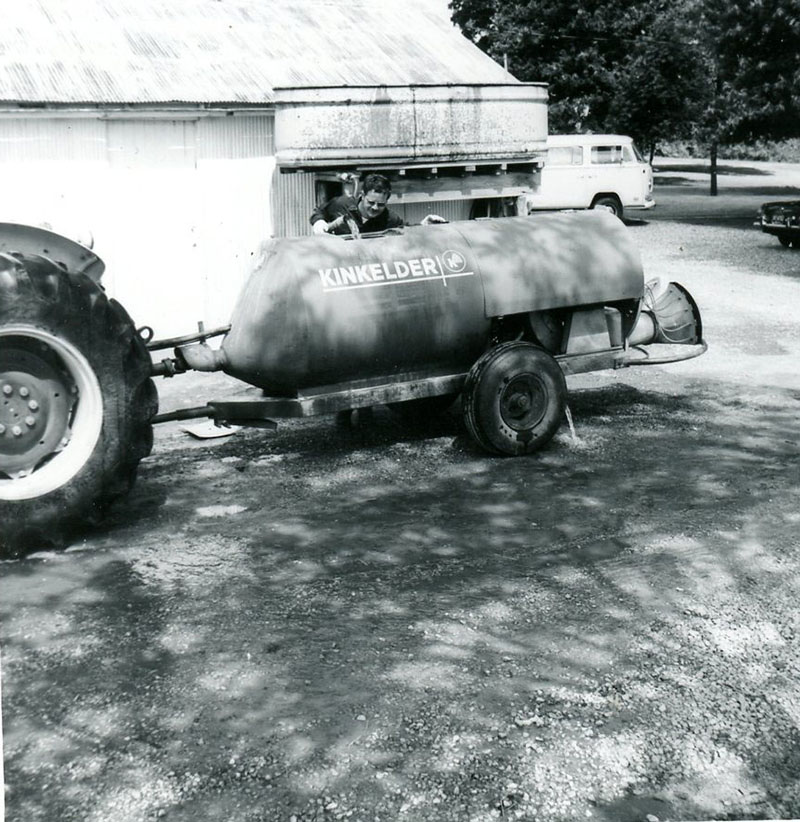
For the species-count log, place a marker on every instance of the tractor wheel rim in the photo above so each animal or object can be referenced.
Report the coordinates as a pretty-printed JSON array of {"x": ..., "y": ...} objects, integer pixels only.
[
  {"x": 523, "y": 402},
  {"x": 51, "y": 412}
]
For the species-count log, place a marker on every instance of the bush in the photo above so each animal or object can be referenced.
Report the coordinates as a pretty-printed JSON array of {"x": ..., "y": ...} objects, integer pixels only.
[
  {"x": 783, "y": 151},
  {"x": 779, "y": 151}
]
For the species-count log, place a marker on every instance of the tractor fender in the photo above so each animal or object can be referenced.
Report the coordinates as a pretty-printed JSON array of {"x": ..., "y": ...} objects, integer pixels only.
[{"x": 28, "y": 239}]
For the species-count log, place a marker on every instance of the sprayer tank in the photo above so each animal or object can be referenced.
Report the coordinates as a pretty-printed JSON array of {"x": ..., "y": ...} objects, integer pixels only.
[{"x": 321, "y": 310}]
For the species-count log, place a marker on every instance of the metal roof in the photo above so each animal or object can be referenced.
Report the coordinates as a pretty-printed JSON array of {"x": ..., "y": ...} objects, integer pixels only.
[{"x": 226, "y": 51}]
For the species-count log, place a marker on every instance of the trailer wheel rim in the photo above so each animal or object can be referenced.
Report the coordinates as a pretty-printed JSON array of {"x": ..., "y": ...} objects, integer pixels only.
[
  {"x": 51, "y": 412},
  {"x": 524, "y": 400}
]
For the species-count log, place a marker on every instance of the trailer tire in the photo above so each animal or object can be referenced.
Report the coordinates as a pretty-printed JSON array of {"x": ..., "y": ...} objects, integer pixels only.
[
  {"x": 514, "y": 399},
  {"x": 76, "y": 402}
]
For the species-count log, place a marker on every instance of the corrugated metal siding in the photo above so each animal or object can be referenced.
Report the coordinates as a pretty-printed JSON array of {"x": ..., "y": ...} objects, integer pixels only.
[
  {"x": 178, "y": 208},
  {"x": 151, "y": 144},
  {"x": 31, "y": 140},
  {"x": 235, "y": 138},
  {"x": 59, "y": 140},
  {"x": 160, "y": 51},
  {"x": 293, "y": 198}
]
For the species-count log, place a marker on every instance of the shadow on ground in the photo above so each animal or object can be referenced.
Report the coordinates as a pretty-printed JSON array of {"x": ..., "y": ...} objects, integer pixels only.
[
  {"x": 722, "y": 169},
  {"x": 321, "y": 617}
]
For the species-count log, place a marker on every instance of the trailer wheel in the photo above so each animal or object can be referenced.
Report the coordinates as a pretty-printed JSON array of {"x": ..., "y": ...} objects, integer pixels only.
[
  {"x": 514, "y": 399},
  {"x": 76, "y": 400}
]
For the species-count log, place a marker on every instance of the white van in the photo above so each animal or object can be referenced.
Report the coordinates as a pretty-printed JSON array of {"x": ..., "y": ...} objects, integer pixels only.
[{"x": 592, "y": 171}]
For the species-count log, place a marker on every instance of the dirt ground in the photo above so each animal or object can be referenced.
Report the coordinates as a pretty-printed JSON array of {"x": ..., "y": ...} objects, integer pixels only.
[{"x": 383, "y": 623}]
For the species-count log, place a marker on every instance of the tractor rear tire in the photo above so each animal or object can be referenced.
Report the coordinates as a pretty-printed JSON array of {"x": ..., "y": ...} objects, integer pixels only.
[
  {"x": 514, "y": 399},
  {"x": 76, "y": 402}
]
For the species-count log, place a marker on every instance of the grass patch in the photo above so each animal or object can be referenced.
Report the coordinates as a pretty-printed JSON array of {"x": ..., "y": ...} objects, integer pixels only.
[{"x": 774, "y": 151}]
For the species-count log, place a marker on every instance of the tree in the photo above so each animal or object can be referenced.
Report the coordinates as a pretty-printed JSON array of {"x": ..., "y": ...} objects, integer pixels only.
[
  {"x": 596, "y": 56},
  {"x": 717, "y": 70},
  {"x": 752, "y": 55},
  {"x": 662, "y": 88}
]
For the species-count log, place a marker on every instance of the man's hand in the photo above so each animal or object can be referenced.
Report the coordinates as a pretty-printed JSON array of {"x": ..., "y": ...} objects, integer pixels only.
[
  {"x": 430, "y": 219},
  {"x": 321, "y": 227}
]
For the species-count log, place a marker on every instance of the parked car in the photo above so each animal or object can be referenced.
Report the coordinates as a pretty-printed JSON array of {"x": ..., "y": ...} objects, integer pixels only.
[
  {"x": 782, "y": 219},
  {"x": 593, "y": 171}
]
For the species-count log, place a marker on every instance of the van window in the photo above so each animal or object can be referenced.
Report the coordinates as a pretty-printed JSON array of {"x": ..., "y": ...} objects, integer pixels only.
[
  {"x": 565, "y": 156},
  {"x": 603, "y": 155},
  {"x": 630, "y": 154}
]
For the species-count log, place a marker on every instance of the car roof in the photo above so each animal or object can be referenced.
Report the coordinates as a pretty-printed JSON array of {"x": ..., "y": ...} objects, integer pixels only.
[{"x": 586, "y": 139}]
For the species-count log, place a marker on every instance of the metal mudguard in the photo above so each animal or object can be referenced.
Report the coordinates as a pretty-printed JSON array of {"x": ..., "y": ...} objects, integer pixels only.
[{"x": 28, "y": 239}]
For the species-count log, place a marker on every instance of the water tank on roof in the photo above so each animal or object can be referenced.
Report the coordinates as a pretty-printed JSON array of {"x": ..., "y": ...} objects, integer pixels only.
[{"x": 329, "y": 126}]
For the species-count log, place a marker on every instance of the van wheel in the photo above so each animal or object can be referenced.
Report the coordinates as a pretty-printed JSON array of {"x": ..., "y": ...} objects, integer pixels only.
[
  {"x": 514, "y": 399},
  {"x": 76, "y": 400},
  {"x": 610, "y": 203}
]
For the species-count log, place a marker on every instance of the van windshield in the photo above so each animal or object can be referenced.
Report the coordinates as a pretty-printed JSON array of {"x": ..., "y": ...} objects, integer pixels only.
[{"x": 639, "y": 155}]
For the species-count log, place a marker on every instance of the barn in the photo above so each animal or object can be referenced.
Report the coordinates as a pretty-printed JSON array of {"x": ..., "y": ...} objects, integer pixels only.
[{"x": 181, "y": 134}]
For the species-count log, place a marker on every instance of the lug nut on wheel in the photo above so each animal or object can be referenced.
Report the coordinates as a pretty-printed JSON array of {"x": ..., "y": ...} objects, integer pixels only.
[
  {"x": 16, "y": 431},
  {"x": 33, "y": 405},
  {"x": 30, "y": 422},
  {"x": 8, "y": 390},
  {"x": 23, "y": 392}
]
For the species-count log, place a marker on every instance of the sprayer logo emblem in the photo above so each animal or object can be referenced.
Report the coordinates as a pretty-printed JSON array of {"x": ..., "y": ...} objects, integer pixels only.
[
  {"x": 435, "y": 269},
  {"x": 454, "y": 261}
]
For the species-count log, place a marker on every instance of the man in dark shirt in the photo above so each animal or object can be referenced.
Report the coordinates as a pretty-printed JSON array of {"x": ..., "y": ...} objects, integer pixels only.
[{"x": 368, "y": 211}]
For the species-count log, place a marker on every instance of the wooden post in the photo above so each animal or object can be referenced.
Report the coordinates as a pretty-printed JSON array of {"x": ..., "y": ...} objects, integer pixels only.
[{"x": 713, "y": 191}]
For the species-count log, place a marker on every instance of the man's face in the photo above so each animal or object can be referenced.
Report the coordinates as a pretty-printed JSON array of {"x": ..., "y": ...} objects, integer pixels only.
[{"x": 372, "y": 204}]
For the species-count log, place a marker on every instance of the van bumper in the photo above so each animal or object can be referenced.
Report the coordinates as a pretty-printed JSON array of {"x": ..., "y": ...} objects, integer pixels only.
[{"x": 645, "y": 207}]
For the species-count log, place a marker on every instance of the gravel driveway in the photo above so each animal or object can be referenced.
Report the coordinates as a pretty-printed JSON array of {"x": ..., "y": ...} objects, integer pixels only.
[{"x": 383, "y": 623}]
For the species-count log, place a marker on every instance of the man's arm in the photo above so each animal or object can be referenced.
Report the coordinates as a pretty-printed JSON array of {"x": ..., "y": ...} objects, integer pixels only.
[
  {"x": 394, "y": 220},
  {"x": 329, "y": 216},
  {"x": 318, "y": 214}
]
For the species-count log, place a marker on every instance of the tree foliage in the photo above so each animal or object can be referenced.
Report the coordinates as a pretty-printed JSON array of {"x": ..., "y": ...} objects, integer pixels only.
[
  {"x": 716, "y": 70},
  {"x": 661, "y": 87},
  {"x": 752, "y": 54}
]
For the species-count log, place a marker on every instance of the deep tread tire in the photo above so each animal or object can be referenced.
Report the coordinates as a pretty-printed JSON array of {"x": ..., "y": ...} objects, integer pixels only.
[
  {"x": 514, "y": 399},
  {"x": 68, "y": 321}
]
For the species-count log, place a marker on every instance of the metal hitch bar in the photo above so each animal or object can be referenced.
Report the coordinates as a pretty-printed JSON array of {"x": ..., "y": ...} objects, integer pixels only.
[
  {"x": 251, "y": 414},
  {"x": 201, "y": 336}
]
